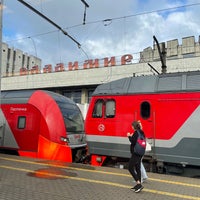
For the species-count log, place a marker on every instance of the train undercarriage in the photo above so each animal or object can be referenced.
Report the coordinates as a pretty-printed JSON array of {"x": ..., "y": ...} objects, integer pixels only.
[{"x": 150, "y": 164}]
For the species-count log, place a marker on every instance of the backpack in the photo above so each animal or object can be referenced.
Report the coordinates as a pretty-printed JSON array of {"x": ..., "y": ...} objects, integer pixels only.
[{"x": 140, "y": 145}]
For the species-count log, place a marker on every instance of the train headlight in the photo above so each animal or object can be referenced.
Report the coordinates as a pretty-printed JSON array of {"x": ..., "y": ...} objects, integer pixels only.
[{"x": 64, "y": 139}]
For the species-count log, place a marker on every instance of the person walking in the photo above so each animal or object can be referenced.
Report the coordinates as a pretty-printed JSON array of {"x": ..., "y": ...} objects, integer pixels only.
[{"x": 137, "y": 150}]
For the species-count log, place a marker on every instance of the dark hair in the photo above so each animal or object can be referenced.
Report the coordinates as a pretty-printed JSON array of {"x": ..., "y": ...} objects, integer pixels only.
[{"x": 136, "y": 125}]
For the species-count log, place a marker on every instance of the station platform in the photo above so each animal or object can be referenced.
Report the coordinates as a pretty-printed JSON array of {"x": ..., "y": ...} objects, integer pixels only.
[{"x": 24, "y": 178}]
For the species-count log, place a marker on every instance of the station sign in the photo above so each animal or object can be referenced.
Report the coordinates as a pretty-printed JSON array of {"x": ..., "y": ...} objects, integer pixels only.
[{"x": 88, "y": 64}]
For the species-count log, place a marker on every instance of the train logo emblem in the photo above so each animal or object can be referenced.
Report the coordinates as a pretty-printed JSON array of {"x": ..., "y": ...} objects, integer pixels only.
[{"x": 101, "y": 127}]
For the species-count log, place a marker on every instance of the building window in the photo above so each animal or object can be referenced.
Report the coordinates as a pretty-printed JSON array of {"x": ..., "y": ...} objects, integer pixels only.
[
  {"x": 74, "y": 95},
  {"x": 23, "y": 61},
  {"x": 21, "y": 124},
  {"x": 145, "y": 109},
  {"x": 77, "y": 96},
  {"x": 90, "y": 92},
  {"x": 14, "y": 56}
]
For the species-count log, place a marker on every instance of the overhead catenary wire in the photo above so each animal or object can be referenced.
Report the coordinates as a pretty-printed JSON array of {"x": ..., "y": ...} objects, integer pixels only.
[
  {"x": 50, "y": 21},
  {"x": 108, "y": 21},
  {"x": 137, "y": 14}
]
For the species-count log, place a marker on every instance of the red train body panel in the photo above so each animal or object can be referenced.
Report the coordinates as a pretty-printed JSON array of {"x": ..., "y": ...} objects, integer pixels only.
[
  {"x": 168, "y": 107},
  {"x": 41, "y": 124}
]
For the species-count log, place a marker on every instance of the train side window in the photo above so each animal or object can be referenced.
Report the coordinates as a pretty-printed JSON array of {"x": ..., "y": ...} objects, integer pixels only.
[
  {"x": 110, "y": 108},
  {"x": 98, "y": 109},
  {"x": 145, "y": 109},
  {"x": 21, "y": 124}
]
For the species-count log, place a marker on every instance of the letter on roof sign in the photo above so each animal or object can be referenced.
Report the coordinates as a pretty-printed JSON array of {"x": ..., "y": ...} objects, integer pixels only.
[
  {"x": 110, "y": 62},
  {"x": 59, "y": 67},
  {"x": 47, "y": 68},
  {"x": 126, "y": 59},
  {"x": 73, "y": 66},
  {"x": 91, "y": 64}
]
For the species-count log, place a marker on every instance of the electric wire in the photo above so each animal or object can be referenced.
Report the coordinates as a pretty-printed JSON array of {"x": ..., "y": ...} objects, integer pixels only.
[
  {"x": 112, "y": 19},
  {"x": 106, "y": 22},
  {"x": 138, "y": 14}
]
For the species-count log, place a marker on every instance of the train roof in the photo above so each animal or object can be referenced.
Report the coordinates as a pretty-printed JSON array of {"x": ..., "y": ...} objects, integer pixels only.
[
  {"x": 171, "y": 82},
  {"x": 22, "y": 96}
]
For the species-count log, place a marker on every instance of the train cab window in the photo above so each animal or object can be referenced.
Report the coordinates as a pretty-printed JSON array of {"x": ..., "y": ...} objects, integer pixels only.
[
  {"x": 110, "y": 108},
  {"x": 145, "y": 110},
  {"x": 98, "y": 109},
  {"x": 21, "y": 124}
]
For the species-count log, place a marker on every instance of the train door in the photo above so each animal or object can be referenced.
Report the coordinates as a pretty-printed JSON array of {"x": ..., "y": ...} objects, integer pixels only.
[
  {"x": 7, "y": 138},
  {"x": 145, "y": 112},
  {"x": 26, "y": 129},
  {"x": 23, "y": 127},
  {"x": 104, "y": 113},
  {"x": 100, "y": 125}
]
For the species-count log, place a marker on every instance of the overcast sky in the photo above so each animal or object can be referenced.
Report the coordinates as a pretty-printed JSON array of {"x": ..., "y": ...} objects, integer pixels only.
[{"x": 112, "y": 27}]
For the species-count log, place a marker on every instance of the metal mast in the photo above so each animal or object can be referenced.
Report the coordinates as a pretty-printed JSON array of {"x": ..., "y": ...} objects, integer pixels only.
[{"x": 1, "y": 29}]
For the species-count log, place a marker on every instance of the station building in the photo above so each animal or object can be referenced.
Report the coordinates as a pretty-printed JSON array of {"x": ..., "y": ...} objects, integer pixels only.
[
  {"x": 14, "y": 60},
  {"x": 78, "y": 80}
]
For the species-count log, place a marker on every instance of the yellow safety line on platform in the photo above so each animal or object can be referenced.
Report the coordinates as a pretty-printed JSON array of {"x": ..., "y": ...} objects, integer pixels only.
[
  {"x": 103, "y": 182},
  {"x": 65, "y": 167},
  {"x": 98, "y": 171}
]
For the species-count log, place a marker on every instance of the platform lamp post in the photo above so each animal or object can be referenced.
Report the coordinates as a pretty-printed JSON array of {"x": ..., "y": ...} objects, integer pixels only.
[{"x": 1, "y": 29}]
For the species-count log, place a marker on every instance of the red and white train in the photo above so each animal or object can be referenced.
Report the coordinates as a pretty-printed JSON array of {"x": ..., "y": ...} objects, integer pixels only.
[
  {"x": 168, "y": 105},
  {"x": 42, "y": 124}
]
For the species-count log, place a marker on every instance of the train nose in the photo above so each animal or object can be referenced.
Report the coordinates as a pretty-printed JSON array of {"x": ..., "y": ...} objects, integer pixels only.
[{"x": 75, "y": 140}]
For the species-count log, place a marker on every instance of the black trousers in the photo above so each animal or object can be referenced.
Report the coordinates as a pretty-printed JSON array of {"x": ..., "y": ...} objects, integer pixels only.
[{"x": 134, "y": 167}]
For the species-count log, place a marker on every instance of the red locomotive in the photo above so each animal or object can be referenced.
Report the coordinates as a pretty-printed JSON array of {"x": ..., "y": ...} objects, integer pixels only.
[
  {"x": 41, "y": 124},
  {"x": 168, "y": 105}
]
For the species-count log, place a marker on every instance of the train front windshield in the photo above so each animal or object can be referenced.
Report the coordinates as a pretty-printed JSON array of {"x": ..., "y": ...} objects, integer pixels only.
[{"x": 72, "y": 117}]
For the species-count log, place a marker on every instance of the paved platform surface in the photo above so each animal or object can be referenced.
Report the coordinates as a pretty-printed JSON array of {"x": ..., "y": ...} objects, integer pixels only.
[{"x": 33, "y": 179}]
